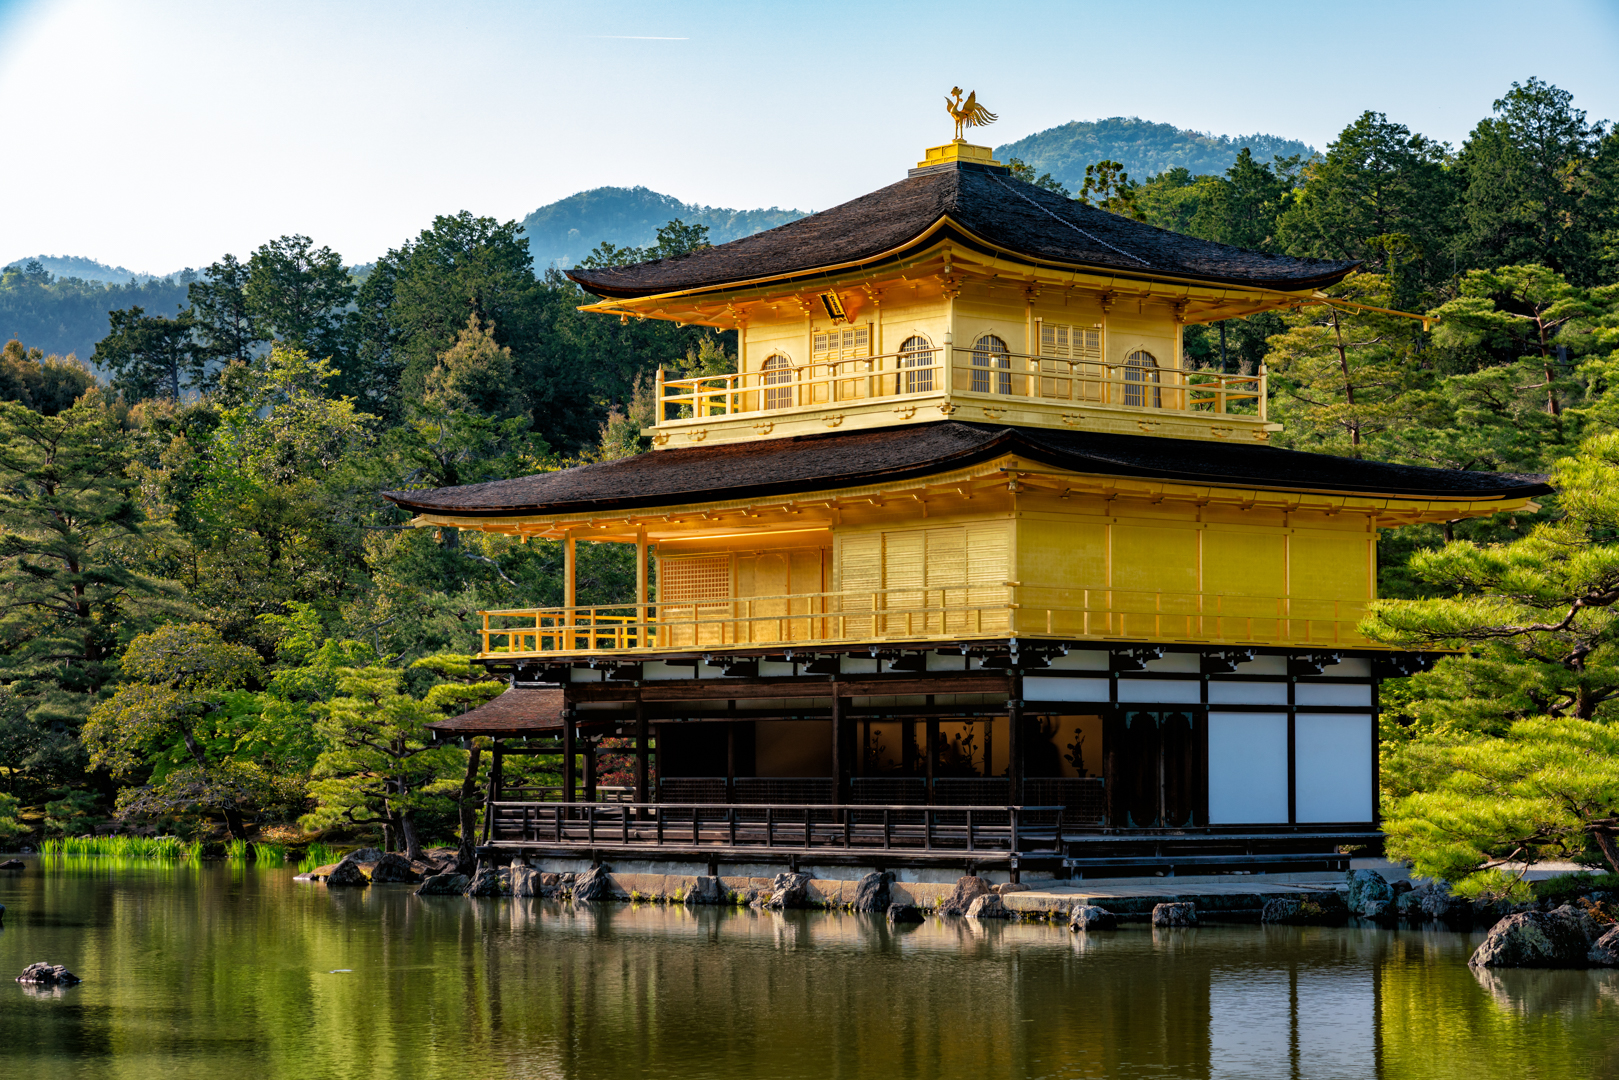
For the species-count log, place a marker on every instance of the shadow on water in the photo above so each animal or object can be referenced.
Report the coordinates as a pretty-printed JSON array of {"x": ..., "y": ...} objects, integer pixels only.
[{"x": 195, "y": 971}]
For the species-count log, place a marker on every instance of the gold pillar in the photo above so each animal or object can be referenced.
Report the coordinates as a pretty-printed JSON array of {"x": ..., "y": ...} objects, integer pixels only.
[
  {"x": 641, "y": 590},
  {"x": 570, "y": 578}
]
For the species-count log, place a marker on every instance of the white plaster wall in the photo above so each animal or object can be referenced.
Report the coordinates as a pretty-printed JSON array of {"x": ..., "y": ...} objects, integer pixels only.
[
  {"x": 1247, "y": 768},
  {"x": 1333, "y": 767}
]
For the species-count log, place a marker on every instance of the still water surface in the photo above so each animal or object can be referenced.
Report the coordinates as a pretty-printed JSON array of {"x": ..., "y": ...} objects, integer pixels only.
[{"x": 232, "y": 972}]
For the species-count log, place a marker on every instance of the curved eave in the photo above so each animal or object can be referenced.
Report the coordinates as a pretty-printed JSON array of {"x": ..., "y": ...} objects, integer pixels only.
[
  {"x": 1005, "y": 445},
  {"x": 971, "y": 240}
]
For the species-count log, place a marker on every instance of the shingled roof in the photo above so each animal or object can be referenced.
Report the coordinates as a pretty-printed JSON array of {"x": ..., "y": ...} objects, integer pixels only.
[
  {"x": 521, "y": 710},
  {"x": 806, "y": 463},
  {"x": 987, "y": 207}
]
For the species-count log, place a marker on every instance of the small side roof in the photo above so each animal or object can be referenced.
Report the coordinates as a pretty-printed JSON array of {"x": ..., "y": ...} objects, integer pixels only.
[
  {"x": 806, "y": 463},
  {"x": 519, "y": 711},
  {"x": 983, "y": 207}
]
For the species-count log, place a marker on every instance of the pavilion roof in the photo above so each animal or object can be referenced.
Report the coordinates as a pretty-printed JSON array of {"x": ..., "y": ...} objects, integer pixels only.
[
  {"x": 521, "y": 710},
  {"x": 980, "y": 207},
  {"x": 806, "y": 463}
]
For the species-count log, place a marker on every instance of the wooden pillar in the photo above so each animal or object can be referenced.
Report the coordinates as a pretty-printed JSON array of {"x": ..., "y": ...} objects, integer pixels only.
[
  {"x": 570, "y": 576},
  {"x": 569, "y": 749},
  {"x": 497, "y": 757},
  {"x": 908, "y": 754},
  {"x": 1015, "y": 740},
  {"x": 641, "y": 597},
  {"x": 840, "y": 766},
  {"x": 931, "y": 751},
  {"x": 590, "y": 770},
  {"x": 642, "y": 791},
  {"x": 730, "y": 760}
]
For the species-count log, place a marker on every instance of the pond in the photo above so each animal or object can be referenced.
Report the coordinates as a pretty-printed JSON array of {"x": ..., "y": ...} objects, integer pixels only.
[{"x": 200, "y": 971}]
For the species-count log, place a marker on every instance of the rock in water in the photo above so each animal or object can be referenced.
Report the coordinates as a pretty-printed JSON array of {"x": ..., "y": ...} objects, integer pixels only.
[
  {"x": 967, "y": 890},
  {"x": 47, "y": 974},
  {"x": 365, "y": 854},
  {"x": 394, "y": 868},
  {"x": 1605, "y": 953},
  {"x": 904, "y": 913},
  {"x": 1551, "y": 939},
  {"x": 1089, "y": 917},
  {"x": 443, "y": 885},
  {"x": 525, "y": 880},
  {"x": 788, "y": 891},
  {"x": 1378, "y": 911},
  {"x": 871, "y": 894},
  {"x": 1438, "y": 903},
  {"x": 347, "y": 873},
  {"x": 1174, "y": 915},
  {"x": 486, "y": 882},
  {"x": 594, "y": 884},
  {"x": 704, "y": 890},
  {"x": 12, "y": 864},
  {"x": 988, "y": 906},
  {"x": 1364, "y": 887},
  {"x": 1316, "y": 909}
]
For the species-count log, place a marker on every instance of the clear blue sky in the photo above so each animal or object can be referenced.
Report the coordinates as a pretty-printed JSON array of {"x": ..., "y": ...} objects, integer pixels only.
[{"x": 165, "y": 133}]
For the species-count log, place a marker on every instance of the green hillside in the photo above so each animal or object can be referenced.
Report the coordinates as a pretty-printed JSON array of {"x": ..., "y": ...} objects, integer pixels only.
[
  {"x": 77, "y": 266},
  {"x": 561, "y": 233},
  {"x": 1143, "y": 147}
]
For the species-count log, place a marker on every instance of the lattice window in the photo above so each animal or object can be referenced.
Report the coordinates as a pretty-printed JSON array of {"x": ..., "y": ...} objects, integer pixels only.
[
  {"x": 838, "y": 345},
  {"x": 1141, "y": 380},
  {"x": 696, "y": 578},
  {"x": 917, "y": 352},
  {"x": 778, "y": 380},
  {"x": 1064, "y": 341},
  {"x": 991, "y": 352}
]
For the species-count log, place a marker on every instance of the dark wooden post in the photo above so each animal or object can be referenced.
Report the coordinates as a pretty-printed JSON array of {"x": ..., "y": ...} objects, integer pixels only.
[
  {"x": 569, "y": 749},
  {"x": 641, "y": 793},
  {"x": 931, "y": 750},
  {"x": 590, "y": 770},
  {"x": 1015, "y": 740},
  {"x": 840, "y": 766}
]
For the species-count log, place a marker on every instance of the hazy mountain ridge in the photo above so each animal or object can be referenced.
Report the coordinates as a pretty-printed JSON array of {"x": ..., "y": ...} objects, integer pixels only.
[
  {"x": 1144, "y": 147},
  {"x": 77, "y": 266},
  {"x": 564, "y": 232}
]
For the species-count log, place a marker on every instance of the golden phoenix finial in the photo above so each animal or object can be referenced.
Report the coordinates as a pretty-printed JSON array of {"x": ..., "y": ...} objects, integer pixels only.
[{"x": 967, "y": 113}]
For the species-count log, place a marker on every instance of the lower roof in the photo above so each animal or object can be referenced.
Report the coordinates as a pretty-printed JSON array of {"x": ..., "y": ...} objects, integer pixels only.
[
  {"x": 521, "y": 710},
  {"x": 808, "y": 463}
]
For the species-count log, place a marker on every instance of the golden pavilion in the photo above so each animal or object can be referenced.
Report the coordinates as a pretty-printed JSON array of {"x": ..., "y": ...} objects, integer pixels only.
[{"x": 963, "y": 566}]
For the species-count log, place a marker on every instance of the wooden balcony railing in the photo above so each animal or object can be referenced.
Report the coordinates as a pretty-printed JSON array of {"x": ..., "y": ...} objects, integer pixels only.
[
  {"x": 961, "y": 372},
  {"x": 914, "y": 614},
  {"x": 943, "y": 831}
]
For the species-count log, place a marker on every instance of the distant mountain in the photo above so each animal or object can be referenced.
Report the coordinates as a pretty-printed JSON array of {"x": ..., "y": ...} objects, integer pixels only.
[
  {"x": 564, "y": 232},
  {"x": 76, "y": 266},
  {"x": 1141, "y": 146}
]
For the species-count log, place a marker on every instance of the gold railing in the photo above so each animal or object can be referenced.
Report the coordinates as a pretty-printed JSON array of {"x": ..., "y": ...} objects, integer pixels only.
[
  {"x": 918, "y": 614},
  {"x": 956, "y": 371}
]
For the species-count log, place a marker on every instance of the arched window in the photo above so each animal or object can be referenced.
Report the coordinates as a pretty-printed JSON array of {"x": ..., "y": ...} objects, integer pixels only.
[
  {"x": 917, "y": 353},
  {"x": 778, "y": 380},
  {"x": 991, "y": 352},
  {"x": 1141, "y": 369}
]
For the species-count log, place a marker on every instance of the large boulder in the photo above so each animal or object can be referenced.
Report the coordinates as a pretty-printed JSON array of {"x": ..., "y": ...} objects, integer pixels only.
[
  {"x": 365, "y": 854},
  {"x": 443, "y": 885},
  {"x": 1326, "y": 908},
  {"x": 45, "y": 973},
  {"x": 1378, "y": 911},
  {"x": 485, "y": 882},
  {"x": 705, "y": 891},
  {"x": 1408, "y": 904},
  {"x": 961, "y": 898},
  {"x": 1438, "y": 903},
  {"x": 593, "y": 884},
  {"x": 904, "y": 913},
  {"x": 871, "y": 894},
  {"x": 394, "y": 869},
  {"x": 1089, "y": 917},
  {"x": 1174, "y": 915},
  {"x": 1604, "y": 952},
  {"x": 788, "y": 891},
  {"x": 347, "y": 874},
  {"x": 1551, "y": 939},
  {"x": 1364, "y": 887},
  {"x": 988, "y": 906},
  {"x": 524, "y": 880}
]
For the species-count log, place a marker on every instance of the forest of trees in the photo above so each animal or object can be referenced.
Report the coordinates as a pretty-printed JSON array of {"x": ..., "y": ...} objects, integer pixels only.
[{"x": 210, "y": 619}]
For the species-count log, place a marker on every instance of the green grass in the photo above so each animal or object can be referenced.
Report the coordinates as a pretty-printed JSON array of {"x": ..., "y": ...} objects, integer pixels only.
[
  {"x": 238, "y": 850},
  {"x": 317, "y": 854},
  {"x": 124, "y": 847},
  {"x": 269, "y": 854}
]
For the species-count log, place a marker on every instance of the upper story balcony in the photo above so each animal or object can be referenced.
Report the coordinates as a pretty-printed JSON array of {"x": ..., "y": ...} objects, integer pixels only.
[{"x": 985, "y": 383}]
